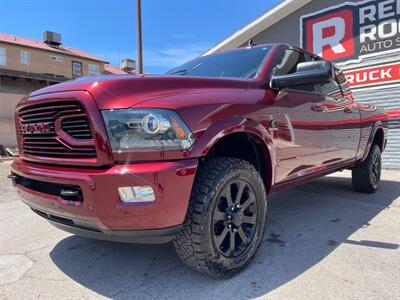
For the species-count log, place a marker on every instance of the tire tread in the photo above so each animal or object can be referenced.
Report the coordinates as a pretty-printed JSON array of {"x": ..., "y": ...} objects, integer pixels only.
[
  {"x": 189, "y": 243},
  {"x": 361, "y": 173}
]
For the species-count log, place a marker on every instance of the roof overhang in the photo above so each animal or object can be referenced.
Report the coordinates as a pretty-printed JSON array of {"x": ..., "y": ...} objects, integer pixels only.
[
  {"x": 29, "y": 75},
  {"x": 268, "y": 19}
]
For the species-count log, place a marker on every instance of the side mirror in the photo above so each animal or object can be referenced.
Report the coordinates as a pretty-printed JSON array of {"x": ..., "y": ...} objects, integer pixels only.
[{"x": 311, "y": 72}]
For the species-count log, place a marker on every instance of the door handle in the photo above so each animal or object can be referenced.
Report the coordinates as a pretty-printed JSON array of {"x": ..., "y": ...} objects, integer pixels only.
[
  {"x": 348, "y": 110},
  {"x": 317, "y": 108},
  {"x": 273, "y": 124}
]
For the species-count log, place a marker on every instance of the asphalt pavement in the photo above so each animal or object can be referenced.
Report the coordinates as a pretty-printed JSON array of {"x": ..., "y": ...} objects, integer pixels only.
[{"x": 322, "y": 241}]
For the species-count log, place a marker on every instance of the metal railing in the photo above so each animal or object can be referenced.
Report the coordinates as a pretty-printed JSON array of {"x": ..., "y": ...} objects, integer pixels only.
[{"x": 55, "y": 69}]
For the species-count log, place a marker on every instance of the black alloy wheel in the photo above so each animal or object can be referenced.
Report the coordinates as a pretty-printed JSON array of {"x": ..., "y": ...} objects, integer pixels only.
[
  {"x": 367, "y": 175},
  {"x": 225, "y": 219},
  {"x": 235, "y": 218},
  {"x": 375, "y": 168}
]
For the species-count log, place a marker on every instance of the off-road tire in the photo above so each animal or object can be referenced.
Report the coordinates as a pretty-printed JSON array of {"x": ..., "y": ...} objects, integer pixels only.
[
  {"x": 195, "y": 244},
  {"x": 366, "y": 176}
]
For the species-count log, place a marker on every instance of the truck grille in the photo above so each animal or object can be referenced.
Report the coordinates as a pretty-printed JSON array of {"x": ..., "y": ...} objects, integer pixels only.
[
  {"x": 77, "y": 127},
  {"x": 46, "y": 112},
  {"x": 40, "y": 126}
]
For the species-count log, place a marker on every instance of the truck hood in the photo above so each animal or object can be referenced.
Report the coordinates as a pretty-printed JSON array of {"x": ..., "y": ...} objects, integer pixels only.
[{"x": 118, "y": 92}]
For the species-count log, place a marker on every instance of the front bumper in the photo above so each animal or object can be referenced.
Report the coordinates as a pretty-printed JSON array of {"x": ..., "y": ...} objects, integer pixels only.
[{"x": 101, "y": 214}]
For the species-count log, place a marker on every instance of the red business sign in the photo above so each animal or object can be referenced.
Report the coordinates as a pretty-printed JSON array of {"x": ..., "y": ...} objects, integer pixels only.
[
  {"x": 331, "y": 35},
  {"x": 352, "y": 29},
  {"x": 376, "y": 75}
]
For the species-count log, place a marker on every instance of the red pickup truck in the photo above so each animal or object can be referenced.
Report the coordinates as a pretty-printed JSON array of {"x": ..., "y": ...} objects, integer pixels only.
[{"x": 192, "y": 156}]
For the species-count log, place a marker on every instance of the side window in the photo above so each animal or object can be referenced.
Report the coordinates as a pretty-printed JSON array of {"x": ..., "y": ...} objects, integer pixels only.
[
  {"x": 331, "y": 89},
  {"x": 288, "y": 65}
]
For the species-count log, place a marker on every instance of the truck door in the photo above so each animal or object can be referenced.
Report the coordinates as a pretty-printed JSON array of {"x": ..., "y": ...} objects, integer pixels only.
[
  {"x": 298, "y": 118},
  {"x": 343, "y": 120}
]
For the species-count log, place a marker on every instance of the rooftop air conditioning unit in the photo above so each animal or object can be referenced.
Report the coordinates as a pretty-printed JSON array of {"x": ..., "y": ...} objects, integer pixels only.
[
  {"x": 128, "y": 65},
  {"x": 52, "y": 38}
]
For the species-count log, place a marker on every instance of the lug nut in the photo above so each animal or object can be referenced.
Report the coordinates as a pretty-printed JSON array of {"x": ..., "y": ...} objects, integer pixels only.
[
  {"x": 238, "y": 205},
  {"x": 232, "y": 208},
  {"x": 229, "y": 217}
]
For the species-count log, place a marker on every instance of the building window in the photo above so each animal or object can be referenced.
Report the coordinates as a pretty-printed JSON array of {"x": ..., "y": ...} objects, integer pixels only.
[
  {"x": 76, "y": 69},
  {"x": 25, "y": 58},
  {"x": 3, "y": 56},
  {"x": 56, "y": 58},
  {"x": 94, "y": 70}
]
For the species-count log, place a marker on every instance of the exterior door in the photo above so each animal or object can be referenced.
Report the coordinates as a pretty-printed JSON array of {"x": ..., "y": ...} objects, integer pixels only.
[
  {"x": 343, "y": 120},
  {"x": 299, "y": 137}
]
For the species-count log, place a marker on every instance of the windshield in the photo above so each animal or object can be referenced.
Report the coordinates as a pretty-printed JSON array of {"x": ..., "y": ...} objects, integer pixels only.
[{"x": 243, "y": 63}]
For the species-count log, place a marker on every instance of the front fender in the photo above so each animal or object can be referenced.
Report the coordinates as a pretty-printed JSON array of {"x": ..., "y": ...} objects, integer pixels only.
[
  {"x": 226, "y": 127},
  {"x": 258, "y": 133}
]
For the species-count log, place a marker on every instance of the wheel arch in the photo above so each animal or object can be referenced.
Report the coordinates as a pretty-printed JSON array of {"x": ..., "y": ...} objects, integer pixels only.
[
  {"x": 377, "y": 137},
  {"x": 242, "y": 138}
]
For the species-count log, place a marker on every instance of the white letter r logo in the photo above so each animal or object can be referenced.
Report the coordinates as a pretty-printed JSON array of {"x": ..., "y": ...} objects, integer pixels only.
[{"x": 334, "y": 41}]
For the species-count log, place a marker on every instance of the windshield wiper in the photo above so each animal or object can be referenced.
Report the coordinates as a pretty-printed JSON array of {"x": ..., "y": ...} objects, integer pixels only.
[{"x": 180, "y": 72}]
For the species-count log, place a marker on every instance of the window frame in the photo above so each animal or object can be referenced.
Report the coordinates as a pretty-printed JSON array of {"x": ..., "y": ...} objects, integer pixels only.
[
  {"x": 91, "y": 73},
  {"x": 72, "y": 69},
  {"x": 55, "y": 58},
  {"x": 308, "y": 58},
  {"x": 25, "y": 57},
  {"x": 338, "y": 84},
  {"x": 4, "y": 56}
]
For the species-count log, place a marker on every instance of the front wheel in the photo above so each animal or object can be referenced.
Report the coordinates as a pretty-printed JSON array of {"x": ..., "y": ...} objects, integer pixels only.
[
  {"x": 225, "y": 219},
  {"x": 366, "y": 177}
]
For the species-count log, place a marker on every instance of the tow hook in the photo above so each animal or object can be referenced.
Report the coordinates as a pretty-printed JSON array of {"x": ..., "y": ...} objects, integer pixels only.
[{"x": 69, "y": 193}]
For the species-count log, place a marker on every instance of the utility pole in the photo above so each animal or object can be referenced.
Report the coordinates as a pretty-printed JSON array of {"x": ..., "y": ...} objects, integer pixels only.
[{"x": 139, "y": 36}]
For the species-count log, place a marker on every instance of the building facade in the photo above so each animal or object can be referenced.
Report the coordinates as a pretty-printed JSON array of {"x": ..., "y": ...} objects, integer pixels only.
[
  {"x": 361, "y": 37},
  {"x": 27, "y": 65}
]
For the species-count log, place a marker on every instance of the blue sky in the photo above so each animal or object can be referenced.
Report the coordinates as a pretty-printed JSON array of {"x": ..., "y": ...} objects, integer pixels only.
[{"x": 174, "y": 31}]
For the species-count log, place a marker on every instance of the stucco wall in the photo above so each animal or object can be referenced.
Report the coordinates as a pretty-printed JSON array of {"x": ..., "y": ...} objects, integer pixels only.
[
  {"x": 41, "y": 63},
  {"x": 8, "y": 102}
]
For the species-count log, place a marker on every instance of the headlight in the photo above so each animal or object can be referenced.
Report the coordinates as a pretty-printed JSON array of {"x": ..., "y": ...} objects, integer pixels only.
[{"x": 146, "y": 129}]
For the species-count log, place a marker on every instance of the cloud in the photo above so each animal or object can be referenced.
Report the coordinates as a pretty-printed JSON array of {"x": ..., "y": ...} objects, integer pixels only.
[
  {"x": 159, "y": 60},
  {"x": 172, "y": 56}
]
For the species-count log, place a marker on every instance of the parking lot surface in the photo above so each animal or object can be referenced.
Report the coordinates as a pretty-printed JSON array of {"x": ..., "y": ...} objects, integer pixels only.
[{"x": 322, "y": 241}]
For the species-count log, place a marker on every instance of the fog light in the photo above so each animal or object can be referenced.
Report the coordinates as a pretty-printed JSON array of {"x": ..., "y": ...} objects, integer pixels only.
[{"x": 136, "y": 194}]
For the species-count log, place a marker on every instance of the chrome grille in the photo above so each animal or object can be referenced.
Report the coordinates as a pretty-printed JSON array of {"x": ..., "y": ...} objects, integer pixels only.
[
  {"x": 77, "y": 128},
  {"x": 51, "y": 147},
  {"x": 75, "y": 142},
  {"x": 47, "y": 112}
]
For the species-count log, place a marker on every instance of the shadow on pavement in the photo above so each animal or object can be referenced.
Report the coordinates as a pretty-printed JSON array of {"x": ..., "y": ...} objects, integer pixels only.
[{"x": 305, "y": 225}]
